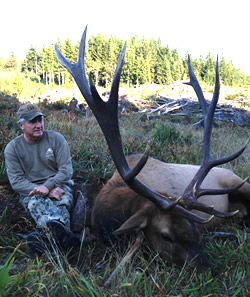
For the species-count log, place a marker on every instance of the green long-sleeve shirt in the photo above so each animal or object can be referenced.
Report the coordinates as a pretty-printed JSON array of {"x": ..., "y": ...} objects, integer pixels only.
[{"x": 46, "y": 162}]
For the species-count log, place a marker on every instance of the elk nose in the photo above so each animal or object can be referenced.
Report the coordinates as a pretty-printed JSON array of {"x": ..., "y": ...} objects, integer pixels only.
[{"x": 197, "y": 258}]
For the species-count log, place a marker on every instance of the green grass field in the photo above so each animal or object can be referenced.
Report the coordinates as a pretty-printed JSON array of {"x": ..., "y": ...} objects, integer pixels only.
[{"x": 84, "y": 270}]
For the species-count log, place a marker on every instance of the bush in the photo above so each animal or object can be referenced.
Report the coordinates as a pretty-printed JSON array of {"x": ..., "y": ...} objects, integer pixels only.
[
  {"x": 233, "y": 96},
  {"x": 57, "y": 105},
  {"x": 165, "y": 134}
]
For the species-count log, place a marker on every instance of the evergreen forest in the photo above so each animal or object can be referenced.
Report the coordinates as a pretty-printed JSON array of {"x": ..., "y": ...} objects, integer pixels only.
[{"x": 147, "y": 61}]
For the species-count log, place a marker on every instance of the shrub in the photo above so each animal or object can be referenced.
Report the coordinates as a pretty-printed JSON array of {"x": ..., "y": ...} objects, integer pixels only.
[{"x": 166, "y": 134}]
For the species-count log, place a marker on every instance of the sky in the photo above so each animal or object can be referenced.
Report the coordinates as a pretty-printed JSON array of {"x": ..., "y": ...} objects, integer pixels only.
[{"x": 197, "y": 27}]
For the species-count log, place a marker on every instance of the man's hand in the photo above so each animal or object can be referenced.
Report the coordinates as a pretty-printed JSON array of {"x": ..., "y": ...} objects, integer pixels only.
[
  {"x": 56, "y": 193},
  {"x": 39, "y": 190}
]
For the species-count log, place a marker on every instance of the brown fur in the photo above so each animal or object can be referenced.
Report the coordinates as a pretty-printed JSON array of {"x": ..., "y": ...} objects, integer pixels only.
[{"x": 118, "y": 208}]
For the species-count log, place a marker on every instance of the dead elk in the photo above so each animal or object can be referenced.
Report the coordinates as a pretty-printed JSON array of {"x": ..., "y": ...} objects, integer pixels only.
[
  {"x": 159, "y": 198},
  {"x": 118, "y": 209}
]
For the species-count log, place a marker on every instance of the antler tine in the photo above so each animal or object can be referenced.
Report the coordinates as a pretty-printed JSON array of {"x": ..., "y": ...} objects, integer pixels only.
[
  {"x": 196, "y": 86},
  {"x": 140, "y": 164},
  {"x": 194, "y": 190},
  {"x": 106, "y": 114},
  {"x": 203, "y": 192},
  {"x": 77, "y": 70},
  {"x": 208, "y": 119}
]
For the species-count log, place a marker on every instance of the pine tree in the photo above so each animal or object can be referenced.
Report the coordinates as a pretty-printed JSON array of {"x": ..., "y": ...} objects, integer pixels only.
[
  {"x": 130, "y": 61},
  {"x": 209, "y": 68},
  {"x": 43, "y": 63},
  {"x": 11, "y": 63},
  {"x": 32, "y": 60}
]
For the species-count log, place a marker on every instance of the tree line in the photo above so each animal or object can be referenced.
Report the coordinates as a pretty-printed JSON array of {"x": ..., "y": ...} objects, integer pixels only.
[{"x": 146, "y": 61}]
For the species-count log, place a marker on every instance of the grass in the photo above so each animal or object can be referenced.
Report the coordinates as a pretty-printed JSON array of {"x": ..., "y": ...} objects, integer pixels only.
[
  {"x": 83, "y": 271},
  {"x": 71, "y": 274}
]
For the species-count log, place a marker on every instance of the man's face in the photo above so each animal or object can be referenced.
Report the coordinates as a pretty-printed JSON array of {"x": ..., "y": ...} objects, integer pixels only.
[{"x": 33, "y": 129}]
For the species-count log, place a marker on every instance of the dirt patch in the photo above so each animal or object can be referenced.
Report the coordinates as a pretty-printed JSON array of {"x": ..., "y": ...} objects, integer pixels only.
[{"x": 12, "y": 213}]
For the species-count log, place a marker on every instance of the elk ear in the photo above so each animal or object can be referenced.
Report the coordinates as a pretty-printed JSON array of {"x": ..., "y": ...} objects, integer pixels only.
[{"x": 136, "y": 222}]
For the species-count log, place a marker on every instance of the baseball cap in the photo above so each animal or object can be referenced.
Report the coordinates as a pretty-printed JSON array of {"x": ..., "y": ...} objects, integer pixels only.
[{"x": 28, "y": 112}]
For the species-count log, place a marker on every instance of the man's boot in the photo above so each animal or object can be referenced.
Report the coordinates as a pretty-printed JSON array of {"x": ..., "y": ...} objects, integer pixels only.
[{"x": 62, "y": 235}]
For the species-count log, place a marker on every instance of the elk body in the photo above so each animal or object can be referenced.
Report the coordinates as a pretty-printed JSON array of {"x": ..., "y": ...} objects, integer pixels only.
[
  {"x": 169, "y": 202},
  {"x": 118, "y": 208}
]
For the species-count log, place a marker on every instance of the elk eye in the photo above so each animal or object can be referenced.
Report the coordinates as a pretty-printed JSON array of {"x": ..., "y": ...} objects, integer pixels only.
[{"x": 165, "y": 237}]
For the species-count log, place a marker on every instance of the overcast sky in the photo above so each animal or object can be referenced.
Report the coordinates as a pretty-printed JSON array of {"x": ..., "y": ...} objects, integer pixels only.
[{"x": 191, "y": 26}]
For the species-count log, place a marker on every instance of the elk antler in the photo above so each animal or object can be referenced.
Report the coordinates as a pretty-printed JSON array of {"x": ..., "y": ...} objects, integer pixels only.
[
  {"x": 197, "y": 88},
  {"x": 194, "y": 190},
  {"x": 106, "y": 114}
]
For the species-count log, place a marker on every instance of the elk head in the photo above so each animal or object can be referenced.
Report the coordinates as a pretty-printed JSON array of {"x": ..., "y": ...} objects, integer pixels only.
[{"x": 155, "y": 210}]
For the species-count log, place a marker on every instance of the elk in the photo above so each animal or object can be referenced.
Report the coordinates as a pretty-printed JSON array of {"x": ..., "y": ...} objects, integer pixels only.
[{"x": 165, "y": 201}]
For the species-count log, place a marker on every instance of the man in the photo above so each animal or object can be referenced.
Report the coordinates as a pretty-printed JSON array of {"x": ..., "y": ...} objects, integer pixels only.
[{"x": 39, "y": 168}]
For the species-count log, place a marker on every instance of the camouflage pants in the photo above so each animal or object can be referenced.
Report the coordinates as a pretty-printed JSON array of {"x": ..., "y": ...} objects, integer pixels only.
[{"x": 43, "y": 209}]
